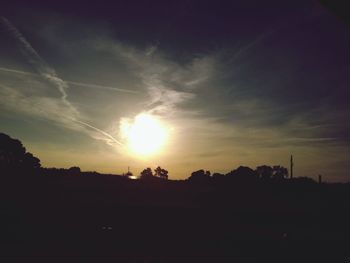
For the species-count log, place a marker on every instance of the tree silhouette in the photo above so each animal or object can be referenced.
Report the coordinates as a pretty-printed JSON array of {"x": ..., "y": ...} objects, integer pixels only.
[
  {"x": 13, "y": 155},
  {"x": 218, "y": 175},
  {"x": 146, "y": 174},
  {"x": 200, "y": 176},
  {"x": 74, "y": 170},
  {"x": 161, "y": 173},
  {"x": 30, "y": 161},
  {"x": 242, "y": 173},
  {"x": 264, "y": 172},
  {"x": 279, "y": 172}
]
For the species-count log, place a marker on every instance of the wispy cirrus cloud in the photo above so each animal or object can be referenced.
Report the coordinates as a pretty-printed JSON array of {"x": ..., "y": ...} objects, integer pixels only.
[
  {"x": 87, "y": 85},
  {"x": 232, "y": 107},
  {"x": 167, "y": 82},
  {"x": 57, "y": 110},
  {"x": 36, "y": 61}
]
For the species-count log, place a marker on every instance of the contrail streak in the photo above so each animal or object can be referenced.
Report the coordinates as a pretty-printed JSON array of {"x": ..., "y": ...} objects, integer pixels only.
[
  {"x": 49, "y": 73},
  {"x": 18, "y": 71},
  {"x": 95, "y": 86},
  {"x": 101, "y": 131},
  {"x": 101, "y": 87},
  {"x": 39, "y": 64}
]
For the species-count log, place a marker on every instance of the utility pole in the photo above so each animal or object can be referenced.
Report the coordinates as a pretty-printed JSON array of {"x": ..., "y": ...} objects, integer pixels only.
[
  {"x": 128, "y": 174},
  {"x": 291, "y": 167}
]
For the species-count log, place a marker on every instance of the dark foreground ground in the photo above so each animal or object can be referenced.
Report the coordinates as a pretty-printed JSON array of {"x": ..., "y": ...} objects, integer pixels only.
[{"x": 109, "y": 219}]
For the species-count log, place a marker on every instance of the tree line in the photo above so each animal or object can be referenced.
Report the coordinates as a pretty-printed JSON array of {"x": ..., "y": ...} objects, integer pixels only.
[
  {"x": 243, "y": 173},
  {"x": 14, "y": 157}
]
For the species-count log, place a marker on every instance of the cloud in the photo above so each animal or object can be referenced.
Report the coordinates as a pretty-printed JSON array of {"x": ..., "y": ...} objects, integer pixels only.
[
  {"x": 49, "y": 108},
  {"x": 59, "y": 111},
  {"x": 170, "y": 86},
  {"x": 242, "y": 115},
  {"x": 226, "y": 106},
  {"x": 87, "y": 85},
  {"x": 37, "y": 62},
  {"x": 167, "y": 82}
]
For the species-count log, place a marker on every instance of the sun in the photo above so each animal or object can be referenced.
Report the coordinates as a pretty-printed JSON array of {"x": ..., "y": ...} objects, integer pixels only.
[{"x": 145, "y": 135}]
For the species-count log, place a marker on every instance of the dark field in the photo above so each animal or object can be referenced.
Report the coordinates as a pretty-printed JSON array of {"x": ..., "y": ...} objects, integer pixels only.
[{"x": 114, "y": 219}]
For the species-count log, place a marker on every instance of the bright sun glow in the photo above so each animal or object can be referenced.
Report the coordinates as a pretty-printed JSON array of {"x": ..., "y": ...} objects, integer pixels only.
[{"x": 145, "y": 135}]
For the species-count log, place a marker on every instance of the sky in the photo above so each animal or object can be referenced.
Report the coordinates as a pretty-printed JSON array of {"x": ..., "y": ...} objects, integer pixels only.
[{"x": 233, "y": 82}]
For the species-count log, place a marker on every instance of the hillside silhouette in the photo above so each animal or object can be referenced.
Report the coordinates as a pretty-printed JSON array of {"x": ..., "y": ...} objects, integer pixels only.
[{"x": 246, "y": 215}]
